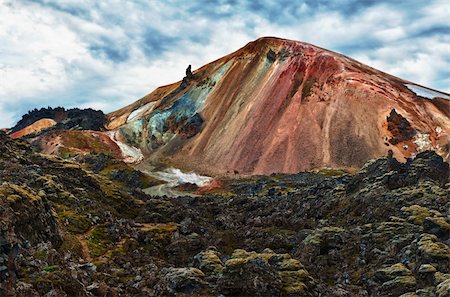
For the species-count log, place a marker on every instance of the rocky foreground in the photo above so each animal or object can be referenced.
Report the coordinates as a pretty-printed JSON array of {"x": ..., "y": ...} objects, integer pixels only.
[{"x": 84, "y": 228}]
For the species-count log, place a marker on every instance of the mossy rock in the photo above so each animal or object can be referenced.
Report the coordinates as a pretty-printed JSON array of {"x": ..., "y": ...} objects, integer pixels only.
[
  {"x": 443, "y": 289},
  {"x": 437, "y": 225},
  {"x": 326, "y": 238},
  {"x": 417, "y": 213},
  {"x": 15, "y": 193},
  {"x": 392, "y": 272},
  {"x": 295, "y": 282},
  {"x": 399, "y": 285},
  {"x": 98, "y": 241},
  {"x": 294, "y": 278},
  {"x": 209, "y": 262},
  {"x": 432, "y": 248}
]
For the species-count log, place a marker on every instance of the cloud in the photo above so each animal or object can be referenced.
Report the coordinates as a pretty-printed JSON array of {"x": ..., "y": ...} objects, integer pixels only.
[{"x": 106, "y": 54}]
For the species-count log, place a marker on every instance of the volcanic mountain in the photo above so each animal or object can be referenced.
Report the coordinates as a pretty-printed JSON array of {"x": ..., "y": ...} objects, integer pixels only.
[{"x": 283, "y": 106}]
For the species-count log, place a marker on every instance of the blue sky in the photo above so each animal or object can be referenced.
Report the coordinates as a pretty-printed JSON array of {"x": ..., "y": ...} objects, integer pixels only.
[{"x": 106, "y": 54}]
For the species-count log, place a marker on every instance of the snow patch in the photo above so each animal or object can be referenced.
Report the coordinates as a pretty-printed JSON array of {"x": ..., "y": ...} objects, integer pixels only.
[
  {"x": 138, "y": 112},
  {"x": 130, "y": 154},
  {"x": 175, "y": 177},
  {"x": 422, "y": 141},
  {"x": 427, "y": 93}
]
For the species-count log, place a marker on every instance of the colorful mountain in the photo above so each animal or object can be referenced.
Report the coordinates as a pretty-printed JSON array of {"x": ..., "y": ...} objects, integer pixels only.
[
  {"x": 279, "y": 105},
  {"x": 274, "y": 105}
]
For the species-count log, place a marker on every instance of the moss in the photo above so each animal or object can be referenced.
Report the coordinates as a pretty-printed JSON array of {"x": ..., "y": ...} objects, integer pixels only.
[
  {"x": 13, "y": 198},
  {"x": 73, "y": 221},
  {"x": 290, "y": 265},
  {"x": 293, "y": 282},
  {"x": 316, "y": 237},
  {"x": 159, "y": 231},
  {"x": 417, "y": 214},
  {"x": 331, "y": 172},
  {"x": 443, "y": 288},
  {"x": 294, "y": 278},
  {"x": 72, "y": 245},
  {"x": 41, "y": 254},
  {"x": 51, "y": 268},
  {"x": 15, "y": 193},
  {"x": 401, "y": 281},
  {"x": 431, "y": 247},
  {"x": 393, "y": 271},
  {"x": 98, "y": 241}
]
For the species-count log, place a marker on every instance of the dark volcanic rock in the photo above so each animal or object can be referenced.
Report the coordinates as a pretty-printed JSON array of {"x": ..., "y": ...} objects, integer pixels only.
[
  {"x": 82, "y": 119},
  {"x": 71, "y": 229}
]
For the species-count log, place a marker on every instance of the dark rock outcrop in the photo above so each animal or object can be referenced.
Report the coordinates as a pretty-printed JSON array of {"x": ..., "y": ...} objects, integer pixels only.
[{"x": 81, "y": 119}]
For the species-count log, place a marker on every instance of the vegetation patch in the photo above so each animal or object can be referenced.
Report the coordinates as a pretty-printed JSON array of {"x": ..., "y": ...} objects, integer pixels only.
[
  {"x": 98, "y": 241},
  {"x": 74, "y": 222}
]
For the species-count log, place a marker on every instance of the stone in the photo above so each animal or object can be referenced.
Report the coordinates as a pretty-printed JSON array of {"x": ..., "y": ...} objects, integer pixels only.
[
  {"x": 417, "y": 213},
  {"x": 392, "y": 272},
  {"x": 185, "y": 280},
  {"x": 427, "y": 268},
  {"x": 439, "y": 277},
  {"x": 399, "y": 285},
  {"x": 264, "y": 274},
  {"x": 432, "y": 248},
  {"x": 443, "y": 289},
  {"x": 209, "y": 261},
  {"x": 438, "y": 226}
]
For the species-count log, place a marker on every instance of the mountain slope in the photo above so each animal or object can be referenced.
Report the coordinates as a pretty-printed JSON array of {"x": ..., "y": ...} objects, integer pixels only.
[{"x": 284, "y": 106}]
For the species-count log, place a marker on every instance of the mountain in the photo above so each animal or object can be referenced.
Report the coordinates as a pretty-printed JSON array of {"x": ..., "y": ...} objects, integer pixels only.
[
  {"x": 273, "y": 106},
  {"x": 279, "y": 105}
]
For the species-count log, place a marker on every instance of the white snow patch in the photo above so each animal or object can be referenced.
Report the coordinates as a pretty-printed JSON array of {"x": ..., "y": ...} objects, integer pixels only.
[
  {"x": 130, "y": 154},
  {"x": 175, "y": 177},
  {"x": 427, "y": 93},
  {"x": 422, "y": 141},
  {"x": 438, "y": 130},
  {"x": 138, "y": 112}
]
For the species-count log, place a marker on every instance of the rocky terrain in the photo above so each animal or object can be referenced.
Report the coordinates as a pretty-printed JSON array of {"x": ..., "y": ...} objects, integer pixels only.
[{"x": 83, "y": 227}]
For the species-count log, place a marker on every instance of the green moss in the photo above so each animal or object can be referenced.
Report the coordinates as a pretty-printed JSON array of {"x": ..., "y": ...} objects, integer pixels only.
[
  {"x": 98, "y": 241},
  {"x": 72, "y": 245},
  {"x": 41, "y": 254},
  {"x": 430, "y": 246},
  {"x": 16, "y": 193},
  {"x": 331, "y": 172},
  {"x": 417, "y": 213},
  {"x": 74, "y": 221},
  {"x": 51, "y": 268}
]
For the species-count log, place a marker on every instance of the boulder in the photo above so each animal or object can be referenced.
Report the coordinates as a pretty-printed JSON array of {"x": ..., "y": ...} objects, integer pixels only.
[{"x": 182, "y": 280}]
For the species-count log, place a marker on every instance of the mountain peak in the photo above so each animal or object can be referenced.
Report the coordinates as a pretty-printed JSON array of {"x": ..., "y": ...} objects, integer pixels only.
[{"x": 279, "y": 105}]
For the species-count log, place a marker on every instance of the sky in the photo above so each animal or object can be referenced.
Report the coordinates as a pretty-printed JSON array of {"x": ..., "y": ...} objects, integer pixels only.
[{"x": 107, "y": 54}]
